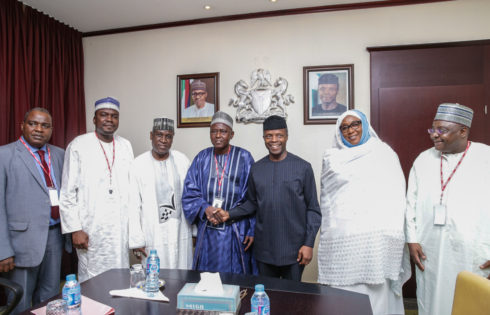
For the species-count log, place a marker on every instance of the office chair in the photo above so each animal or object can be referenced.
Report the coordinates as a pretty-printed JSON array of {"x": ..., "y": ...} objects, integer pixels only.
[
  {"x": 17, "y": 291},
  {"x": 472, "y": 295}
]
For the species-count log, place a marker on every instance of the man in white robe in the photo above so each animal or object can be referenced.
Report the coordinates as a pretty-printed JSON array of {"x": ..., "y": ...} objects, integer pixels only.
[
  {"x": 95, "y": 194},
  {"x": 448, "y": 209},
  {"x": 156, "y": 217}
]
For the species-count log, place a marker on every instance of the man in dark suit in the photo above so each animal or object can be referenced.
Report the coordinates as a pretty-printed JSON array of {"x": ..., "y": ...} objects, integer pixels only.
[
  {"x": 282, "y": 194},
  {"x": 31, "y": 243}
]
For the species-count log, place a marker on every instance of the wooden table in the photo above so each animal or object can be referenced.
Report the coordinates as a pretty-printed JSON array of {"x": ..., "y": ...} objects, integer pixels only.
[{"x": 287, "y": 297}]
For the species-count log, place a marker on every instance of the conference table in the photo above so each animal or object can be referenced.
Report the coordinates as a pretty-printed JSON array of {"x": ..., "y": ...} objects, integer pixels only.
[{"x": 286, "y": 296}]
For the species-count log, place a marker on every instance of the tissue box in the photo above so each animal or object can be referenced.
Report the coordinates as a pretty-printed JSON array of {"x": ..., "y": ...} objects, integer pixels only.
[{"x": 190, "y": 300}]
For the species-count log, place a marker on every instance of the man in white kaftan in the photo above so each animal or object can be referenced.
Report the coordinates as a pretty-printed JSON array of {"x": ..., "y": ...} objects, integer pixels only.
[
  {"x": 95, "y": 194},
  {"x": 156, "y": 217},
  {"x": 447, "y": 225},
  {"x": 362, "y": 241}
]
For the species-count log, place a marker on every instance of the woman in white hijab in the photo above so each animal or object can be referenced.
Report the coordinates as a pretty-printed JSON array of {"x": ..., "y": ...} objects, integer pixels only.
[{"x": 363, "y": 207}]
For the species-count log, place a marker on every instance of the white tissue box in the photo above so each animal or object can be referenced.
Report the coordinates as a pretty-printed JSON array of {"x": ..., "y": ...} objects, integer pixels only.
[{"x": 191, "y": 300}]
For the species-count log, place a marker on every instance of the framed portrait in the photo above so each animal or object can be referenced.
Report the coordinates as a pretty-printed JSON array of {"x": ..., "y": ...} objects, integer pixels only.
[
  {"x": 328, "y": 91},
  {"x": 197, "y": 99}
]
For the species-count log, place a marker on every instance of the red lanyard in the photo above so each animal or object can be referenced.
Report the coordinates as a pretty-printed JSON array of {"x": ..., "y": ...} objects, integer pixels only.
[
  {"x": 220, "y": 178},
  {"x": 48, "y": 172},
  {"x": 109, "y": 166},
  {"x": 444, "y": 185}
]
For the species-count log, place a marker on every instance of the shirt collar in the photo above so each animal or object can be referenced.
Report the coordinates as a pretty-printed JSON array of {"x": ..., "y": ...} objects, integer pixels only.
[{"x": 34, "y": 149}]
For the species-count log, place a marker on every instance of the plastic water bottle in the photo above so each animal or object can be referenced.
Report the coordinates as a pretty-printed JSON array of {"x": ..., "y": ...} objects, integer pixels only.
[
  {"x": 152, "y": 273},
  {"x": 260, "y": 301},
  {"x": 72, "y": 295}
]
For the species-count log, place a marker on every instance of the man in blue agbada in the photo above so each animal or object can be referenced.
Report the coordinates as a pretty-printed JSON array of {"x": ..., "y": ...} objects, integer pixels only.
[{"x": 217, "y": 179}]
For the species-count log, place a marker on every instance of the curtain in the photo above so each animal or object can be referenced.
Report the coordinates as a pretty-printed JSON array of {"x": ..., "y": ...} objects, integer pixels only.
[{"x": 41, "y": 65}]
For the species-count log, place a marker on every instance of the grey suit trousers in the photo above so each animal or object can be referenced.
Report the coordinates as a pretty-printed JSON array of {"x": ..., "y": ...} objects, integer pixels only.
[{"x": 41, "y": 282}]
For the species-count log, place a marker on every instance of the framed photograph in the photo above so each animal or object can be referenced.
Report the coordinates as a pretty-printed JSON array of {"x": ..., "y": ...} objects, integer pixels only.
[
  {"x": 328, "y": 91},
  {"x": 197, "y": 99}
]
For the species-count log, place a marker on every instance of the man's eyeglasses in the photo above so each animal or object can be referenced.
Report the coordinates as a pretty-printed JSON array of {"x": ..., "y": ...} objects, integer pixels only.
[
  {"x": 354, "y": 125},
  {"x": 198, "y": 94},
  {"x": 439, "y": 131}
]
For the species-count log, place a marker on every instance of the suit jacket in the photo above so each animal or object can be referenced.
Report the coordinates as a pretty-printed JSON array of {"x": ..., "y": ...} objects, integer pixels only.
[{"x": 25, "y": 207}]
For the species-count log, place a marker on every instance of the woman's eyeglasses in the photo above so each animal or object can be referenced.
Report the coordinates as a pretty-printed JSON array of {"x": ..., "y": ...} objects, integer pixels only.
[{"x": 354, "y": 125}]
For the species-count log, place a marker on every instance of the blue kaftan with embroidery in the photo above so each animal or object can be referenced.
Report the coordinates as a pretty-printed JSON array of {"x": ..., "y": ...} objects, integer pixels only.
[{"x": 219, "y": 248}]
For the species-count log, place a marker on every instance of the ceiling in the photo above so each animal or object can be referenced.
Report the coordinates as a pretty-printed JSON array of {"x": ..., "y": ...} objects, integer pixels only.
[{"x": 98, "y": 15}]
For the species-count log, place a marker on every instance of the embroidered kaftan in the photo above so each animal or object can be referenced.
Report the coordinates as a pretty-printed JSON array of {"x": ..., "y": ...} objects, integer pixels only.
[
  {"x": 168, "y": 233},
  {"x": 219, "y": 248},
  {"x": 86, "y": 204}
]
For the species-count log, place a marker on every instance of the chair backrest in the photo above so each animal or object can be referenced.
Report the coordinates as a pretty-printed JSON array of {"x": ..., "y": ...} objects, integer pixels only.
[
  {"x": 17, "y": 291},
  {"x": 472, "y": 295}
]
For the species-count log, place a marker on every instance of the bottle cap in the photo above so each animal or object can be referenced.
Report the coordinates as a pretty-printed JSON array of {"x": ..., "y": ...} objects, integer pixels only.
[
  {"x": 153, "y": 251},
  {"x": 259, "y": 287},
  {"x": 71, "y": 277}
]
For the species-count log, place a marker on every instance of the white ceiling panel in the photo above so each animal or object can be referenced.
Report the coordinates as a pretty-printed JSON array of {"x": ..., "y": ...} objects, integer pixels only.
[{"x": 98, "y": 15}]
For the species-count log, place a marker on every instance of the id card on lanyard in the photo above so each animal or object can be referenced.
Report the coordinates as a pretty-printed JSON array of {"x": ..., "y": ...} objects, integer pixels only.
[
  {"x": 440, "y": 210},
  {"x": 440, "y": 214},
  {"x": 218, "y": 201},
  {"x": 53, "y": 192},
  {"x": 53, "y": 197}
]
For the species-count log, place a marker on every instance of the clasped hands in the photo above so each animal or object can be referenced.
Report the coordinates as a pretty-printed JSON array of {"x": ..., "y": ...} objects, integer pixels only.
[{"x": 216, "y": 215}]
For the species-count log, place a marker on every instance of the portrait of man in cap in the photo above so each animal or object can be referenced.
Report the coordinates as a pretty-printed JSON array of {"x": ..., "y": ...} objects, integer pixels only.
[
  {"x": 328, "y": 88},
  {"x": 328, "y": 93},
  {"x": 197, "y": 99}
]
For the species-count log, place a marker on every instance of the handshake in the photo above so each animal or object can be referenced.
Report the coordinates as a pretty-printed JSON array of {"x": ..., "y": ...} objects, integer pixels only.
[{"x": 216, "y": 215}]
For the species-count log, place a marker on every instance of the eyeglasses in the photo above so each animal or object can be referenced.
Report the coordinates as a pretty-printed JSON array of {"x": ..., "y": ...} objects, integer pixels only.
[
  {"x": 194, "y": 94},
  {"x": 354, "y": 125},
  {"x": 439, "y": 131}
]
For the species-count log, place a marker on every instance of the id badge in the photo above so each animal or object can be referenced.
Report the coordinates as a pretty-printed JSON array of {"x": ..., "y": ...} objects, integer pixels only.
[
  {"x": 440, "y": 214},
  {"x": 53, "y": 197},
  {"x": 111, "y": 194},
  {"x": 217, "y": 202}
]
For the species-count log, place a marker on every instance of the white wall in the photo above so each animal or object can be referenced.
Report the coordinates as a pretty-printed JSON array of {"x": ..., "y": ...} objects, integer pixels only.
[{"x": 140, "y": 68}]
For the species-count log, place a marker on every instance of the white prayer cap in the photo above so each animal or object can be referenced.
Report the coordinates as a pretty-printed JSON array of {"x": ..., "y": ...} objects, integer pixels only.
[
  {"x": 222, "y": 117},
  {"x": 108, "y": 102},
  {"x": 163, "y": 124}
]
